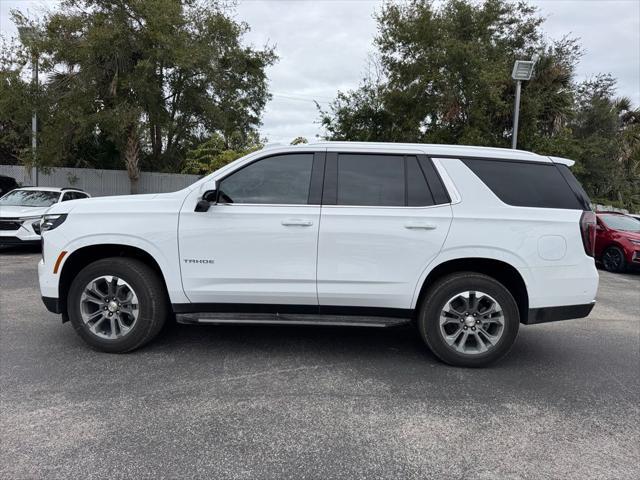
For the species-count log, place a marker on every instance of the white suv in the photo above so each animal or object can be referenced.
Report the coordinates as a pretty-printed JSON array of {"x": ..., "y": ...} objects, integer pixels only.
[
  {"x": 22, "y": 209},
  {"x": 466, "y": 242}
]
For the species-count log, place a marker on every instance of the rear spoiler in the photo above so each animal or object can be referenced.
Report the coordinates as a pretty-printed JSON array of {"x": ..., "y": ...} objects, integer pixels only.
[{"x": 564, "y": 161}]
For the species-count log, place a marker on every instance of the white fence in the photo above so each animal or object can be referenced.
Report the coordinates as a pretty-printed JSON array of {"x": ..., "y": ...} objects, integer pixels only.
[{"x": 99, "y": 182}]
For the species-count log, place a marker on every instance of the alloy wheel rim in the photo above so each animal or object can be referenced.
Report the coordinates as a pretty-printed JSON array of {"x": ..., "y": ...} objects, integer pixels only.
[
  {"x": 109, "y": 307},
  {"x": 472, "y": 322},
  {"x": 612, "y": 259}
]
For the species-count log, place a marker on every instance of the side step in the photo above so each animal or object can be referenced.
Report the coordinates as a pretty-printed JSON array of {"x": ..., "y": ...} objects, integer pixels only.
[{"x": 209, "y": 318}]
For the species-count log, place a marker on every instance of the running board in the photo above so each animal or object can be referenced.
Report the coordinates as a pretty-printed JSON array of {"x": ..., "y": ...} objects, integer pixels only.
[{"x": 208, "y": 318}]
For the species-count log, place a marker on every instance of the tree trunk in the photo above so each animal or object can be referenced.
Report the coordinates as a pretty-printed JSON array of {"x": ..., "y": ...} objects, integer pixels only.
[
  {"x": 155, "y": 133},
  {"x": 132, "y": 157}
]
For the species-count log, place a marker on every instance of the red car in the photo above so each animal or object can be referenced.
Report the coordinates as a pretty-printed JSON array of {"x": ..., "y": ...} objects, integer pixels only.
[{"x": 617, "y": 241}]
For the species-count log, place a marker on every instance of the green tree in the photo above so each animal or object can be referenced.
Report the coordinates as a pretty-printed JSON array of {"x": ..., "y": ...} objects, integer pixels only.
[
  {"x": 215, "y": 153},
  {"x": 16, "y": 104},
  {"x": 147, "y": 79},
  {"x": 445, "y": 76},
  {"x": 442, "y": 74},
  {"x": 606, "y": 130}
]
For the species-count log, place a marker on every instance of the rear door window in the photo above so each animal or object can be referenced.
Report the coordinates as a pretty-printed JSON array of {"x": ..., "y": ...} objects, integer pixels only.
[
  {"x": 371, "y": 180},
  {"x": 383, "y": 180},
  {"x": 418, "y": 192}
]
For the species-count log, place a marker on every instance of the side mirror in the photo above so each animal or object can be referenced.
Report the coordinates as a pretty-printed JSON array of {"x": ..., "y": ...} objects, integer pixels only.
[{"x": 209, "y": 197}]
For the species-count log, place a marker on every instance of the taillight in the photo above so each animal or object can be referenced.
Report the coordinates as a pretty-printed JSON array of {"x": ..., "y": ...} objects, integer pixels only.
[{"x": 588, "y": 231}]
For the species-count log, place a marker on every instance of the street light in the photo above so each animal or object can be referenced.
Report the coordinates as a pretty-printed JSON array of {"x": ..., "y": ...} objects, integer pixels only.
[
  {"x": 27, "y": 36},
  {"x": 522, "y": 71}
]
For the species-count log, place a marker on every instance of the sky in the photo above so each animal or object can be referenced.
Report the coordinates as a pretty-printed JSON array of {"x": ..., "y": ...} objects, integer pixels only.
[{"x": 323, "y": 46}]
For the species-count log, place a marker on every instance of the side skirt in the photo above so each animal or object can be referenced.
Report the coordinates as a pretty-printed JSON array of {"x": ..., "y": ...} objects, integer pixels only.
[
  {"x": 290, "y": 315},
  {"x": 288, "y": 319}
]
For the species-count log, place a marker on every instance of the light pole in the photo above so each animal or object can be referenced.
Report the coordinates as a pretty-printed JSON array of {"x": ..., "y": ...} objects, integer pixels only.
[
  {"x": 28, "y": 35},
  {"x": 522, "y": 71}
]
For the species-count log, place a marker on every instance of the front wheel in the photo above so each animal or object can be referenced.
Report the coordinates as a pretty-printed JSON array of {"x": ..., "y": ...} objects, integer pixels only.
[
  {"x": 117, "y": 304},
  {"x": 469, "y": 320},
  {"x": 613, "y": 260}
]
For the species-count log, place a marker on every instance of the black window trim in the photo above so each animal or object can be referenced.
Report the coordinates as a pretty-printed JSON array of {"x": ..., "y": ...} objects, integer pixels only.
[
  {"x": 317, "y": 166},
  {"x": 435, "y": 182},
  {"x": 330, "y": 190}
]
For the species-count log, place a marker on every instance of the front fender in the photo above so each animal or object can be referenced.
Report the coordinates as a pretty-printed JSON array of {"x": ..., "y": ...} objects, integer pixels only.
[{"x": 165, "y": 256}]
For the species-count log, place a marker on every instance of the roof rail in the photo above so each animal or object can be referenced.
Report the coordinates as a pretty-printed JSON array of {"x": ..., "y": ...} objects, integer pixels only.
[{"x": 72, "y": 188}]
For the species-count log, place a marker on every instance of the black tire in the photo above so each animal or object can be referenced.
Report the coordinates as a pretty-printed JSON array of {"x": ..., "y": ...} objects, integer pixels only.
[
  {"x": 613, "y": 260},
  {"x": 437, "y": 298},
  {"x": 151, "y": 296}
]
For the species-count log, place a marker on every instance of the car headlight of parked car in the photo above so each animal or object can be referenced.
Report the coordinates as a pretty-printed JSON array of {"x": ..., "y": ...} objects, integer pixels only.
[
  {"x": 49, "y": 222},
  {"x": 634, "y": 241},
  {"x": 34, "y": 220}
]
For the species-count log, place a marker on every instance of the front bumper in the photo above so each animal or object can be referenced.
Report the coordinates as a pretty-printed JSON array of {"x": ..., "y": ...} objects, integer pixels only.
[
  {"x": 24, "y": 235},
  {"x": 6, "y": 241},
  {"x": 52, "y": 304},
  {"x": 554, "y": 314}
]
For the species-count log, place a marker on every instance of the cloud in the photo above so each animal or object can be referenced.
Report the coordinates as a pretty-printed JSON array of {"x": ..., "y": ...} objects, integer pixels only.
[{"x": 323, "y": 47}]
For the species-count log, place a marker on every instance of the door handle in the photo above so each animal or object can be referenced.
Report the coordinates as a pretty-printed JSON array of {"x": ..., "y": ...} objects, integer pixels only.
[
  {"x": 420, "y": 226},
  {"x": 296, "y": 222}
]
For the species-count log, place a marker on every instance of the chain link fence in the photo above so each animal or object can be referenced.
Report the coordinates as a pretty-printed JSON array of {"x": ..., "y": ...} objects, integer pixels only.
[{"x": 96, "y": 182}]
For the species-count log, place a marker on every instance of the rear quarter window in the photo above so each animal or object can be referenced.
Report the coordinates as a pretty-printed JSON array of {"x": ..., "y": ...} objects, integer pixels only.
[{"x": 524, "y": 184}]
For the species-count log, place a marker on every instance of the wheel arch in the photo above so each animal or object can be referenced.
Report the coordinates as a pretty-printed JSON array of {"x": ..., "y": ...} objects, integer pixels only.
[
  {"x": 83, "y": 256},
  {"x": 612, "y": 243},
  {"x": 503, "y": 272}
]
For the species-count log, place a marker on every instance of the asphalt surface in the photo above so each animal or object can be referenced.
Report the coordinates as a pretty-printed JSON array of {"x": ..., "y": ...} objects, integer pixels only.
[{"x": 316, "y": 402}]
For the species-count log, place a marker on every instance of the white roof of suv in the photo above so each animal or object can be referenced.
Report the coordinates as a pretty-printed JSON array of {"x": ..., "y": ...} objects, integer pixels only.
[{"x": 444, "y": 150}]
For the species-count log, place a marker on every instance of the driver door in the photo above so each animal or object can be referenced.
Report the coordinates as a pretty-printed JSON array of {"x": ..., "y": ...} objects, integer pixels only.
[{"x": 258, "y": 244}]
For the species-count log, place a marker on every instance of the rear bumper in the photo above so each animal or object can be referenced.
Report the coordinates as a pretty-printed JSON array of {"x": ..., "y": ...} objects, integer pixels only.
[{"x": 554, "y": 314}]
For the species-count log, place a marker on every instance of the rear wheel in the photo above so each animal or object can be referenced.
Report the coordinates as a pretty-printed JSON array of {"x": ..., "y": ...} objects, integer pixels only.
[
  {"x": 469, "y": 320},
  {"x": 117, "y": 304},
  {"x": 613, "y": 260}
]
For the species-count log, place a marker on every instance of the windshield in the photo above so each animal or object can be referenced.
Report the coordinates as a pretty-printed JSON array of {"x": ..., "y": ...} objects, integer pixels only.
[
  {"x": 29, "y": 198},
  {"x": 621, "y": 222}
]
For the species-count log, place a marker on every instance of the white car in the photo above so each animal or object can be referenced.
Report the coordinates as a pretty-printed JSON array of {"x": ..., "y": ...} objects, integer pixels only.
[
  {"x": 22, "y": 209},
  {"x": 466, "y": 242}
]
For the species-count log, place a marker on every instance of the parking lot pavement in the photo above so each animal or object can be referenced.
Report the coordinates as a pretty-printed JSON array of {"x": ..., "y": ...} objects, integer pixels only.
[{"x": 316, "y": 402}]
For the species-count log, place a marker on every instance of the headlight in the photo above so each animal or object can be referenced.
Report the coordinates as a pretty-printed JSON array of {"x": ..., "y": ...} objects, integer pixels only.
[
  {"x": 32, "y": 217},
  {"x": 634, "y": 241},
  {"x": 49, "y": 222}
]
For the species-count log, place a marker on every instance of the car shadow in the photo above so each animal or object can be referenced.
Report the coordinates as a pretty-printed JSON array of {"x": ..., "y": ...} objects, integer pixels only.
[{"x": 399, "y": 346}]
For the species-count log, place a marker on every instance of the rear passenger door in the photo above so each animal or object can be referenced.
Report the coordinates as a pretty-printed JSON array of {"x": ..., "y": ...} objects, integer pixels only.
[{"x": 384, "y": 218}]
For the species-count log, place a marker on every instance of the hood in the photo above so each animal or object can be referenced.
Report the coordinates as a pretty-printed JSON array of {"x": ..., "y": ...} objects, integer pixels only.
[
  {"x": 632, "y": 235},
  {"x": 123, "y": 203},
  {"x": 10, "y": 211}
]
